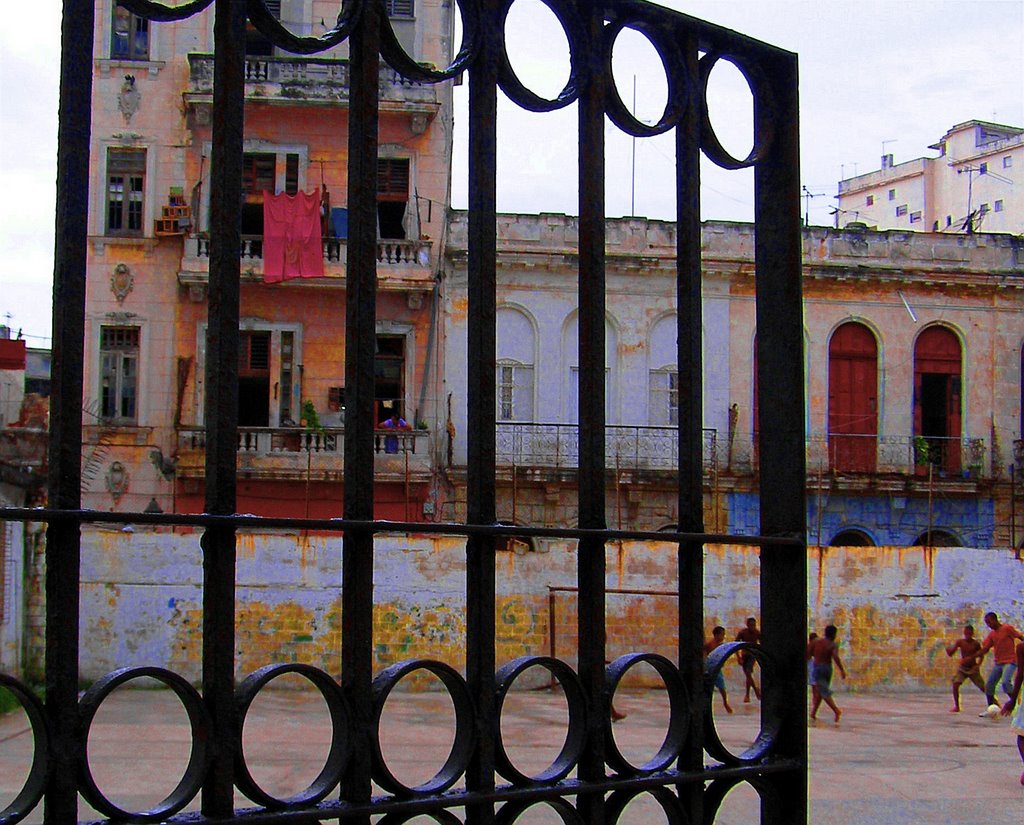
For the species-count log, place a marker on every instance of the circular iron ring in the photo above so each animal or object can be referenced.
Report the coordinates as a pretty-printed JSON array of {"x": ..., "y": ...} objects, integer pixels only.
[
  {"x": 575, "y": 735},
  {"x": 398, "y": 58},
  {"x": 715, "y": 793},
  {"x": 674, "y": 66},
  {"x": 509, "y": 81},
  {"x": 35, "y": 784},
  {"x": 771, "y": 720},
  {"x": 198, "y": 761},
  {"x": 511, "y": 811},
  {"x": 465, "y": 738},
  {"x": 679, "y": 713},
  {"x": 337, "y": 758},
  {"x": 764, "y": 113},
  {"x": 619, "y": 800}
]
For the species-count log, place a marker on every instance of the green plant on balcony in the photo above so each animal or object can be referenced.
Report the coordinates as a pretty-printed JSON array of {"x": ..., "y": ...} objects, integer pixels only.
[
  {"x": 922, "y": 451},
  {"x": 310, "y": 418}
]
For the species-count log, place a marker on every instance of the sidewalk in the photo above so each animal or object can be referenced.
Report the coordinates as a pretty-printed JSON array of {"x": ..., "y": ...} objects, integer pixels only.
[{"x": 895, "y": 758}]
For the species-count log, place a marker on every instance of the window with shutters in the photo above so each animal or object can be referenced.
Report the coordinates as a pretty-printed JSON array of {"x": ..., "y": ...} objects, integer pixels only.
[
  {"x": 119, "y": 374},
  {"x": 400, "y": 8},
  {"x": 126, "y": 182},
  {"x": 514, "y": 391},
  {"x": 392, "y": 197},
  {"x": 129, "y": 35},
  {"x": 254, "y": 379},
  {"x": 664, "y": 396}
]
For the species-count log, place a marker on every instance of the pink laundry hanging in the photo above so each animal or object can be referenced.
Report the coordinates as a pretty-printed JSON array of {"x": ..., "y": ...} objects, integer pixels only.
[{"x": 291, "y": 236}]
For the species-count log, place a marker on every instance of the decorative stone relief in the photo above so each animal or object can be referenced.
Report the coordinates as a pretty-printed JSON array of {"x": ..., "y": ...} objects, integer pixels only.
[
  {"x": 117, "y": 480},
  {"x": 121, "y": 282},
  {"x": 129, "y": 98}
]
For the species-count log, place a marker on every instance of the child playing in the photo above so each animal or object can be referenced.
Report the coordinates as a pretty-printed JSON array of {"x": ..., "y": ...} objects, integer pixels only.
[
  {"x": 1016, "y": 699},
  {"x": 717, "y": 638}
]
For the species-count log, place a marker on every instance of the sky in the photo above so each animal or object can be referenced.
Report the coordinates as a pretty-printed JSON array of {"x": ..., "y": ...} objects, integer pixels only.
[{"x": 876, "y": 77}]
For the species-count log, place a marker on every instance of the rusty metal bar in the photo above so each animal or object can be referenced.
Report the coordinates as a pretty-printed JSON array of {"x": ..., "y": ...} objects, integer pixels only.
[
  {"x": 591, "y": 398},
  {"x": 63, "y": 541},
  {"x": 689, "y": 360},
  {"x": 781, "y": 413},
  {"x": 481, "y": 505},
  {"x": 360, "y": 341},
  {"x": 221, "y": 401}
]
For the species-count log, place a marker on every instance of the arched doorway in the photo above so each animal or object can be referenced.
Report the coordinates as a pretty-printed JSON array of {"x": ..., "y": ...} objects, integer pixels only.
[
  {"x": 937, "y": 390},
  {"x": 937, "y": 538},
  {"x": 852, "y": 399}
]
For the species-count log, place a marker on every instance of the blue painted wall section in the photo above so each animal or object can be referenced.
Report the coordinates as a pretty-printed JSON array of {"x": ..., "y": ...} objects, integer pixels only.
[{"x": 889, "y": 520}]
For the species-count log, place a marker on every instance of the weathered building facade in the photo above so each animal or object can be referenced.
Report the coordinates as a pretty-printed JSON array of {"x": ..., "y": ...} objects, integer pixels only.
[
  {"x": 914, "y": 345},
  {"x": 149, "y": 263}
]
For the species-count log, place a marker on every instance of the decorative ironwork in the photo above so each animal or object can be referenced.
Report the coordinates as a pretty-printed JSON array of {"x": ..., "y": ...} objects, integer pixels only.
[{"x": 677, "y": 779}]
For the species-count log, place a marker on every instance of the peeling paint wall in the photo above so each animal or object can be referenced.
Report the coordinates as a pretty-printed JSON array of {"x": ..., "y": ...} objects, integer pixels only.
[{"x": 895, "y": 608}]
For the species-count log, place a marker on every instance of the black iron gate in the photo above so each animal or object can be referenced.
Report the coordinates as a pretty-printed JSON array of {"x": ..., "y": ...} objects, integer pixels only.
[{"x": 603, "y": 782}]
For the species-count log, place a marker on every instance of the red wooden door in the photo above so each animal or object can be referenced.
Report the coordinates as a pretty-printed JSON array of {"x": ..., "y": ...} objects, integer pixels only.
[
  {"x": 852, "y": 399},
  {"x": 937, "y": 390}
]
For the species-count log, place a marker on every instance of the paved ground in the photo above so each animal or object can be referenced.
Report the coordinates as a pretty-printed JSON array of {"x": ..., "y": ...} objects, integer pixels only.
[{"x": 893, "y": 759}]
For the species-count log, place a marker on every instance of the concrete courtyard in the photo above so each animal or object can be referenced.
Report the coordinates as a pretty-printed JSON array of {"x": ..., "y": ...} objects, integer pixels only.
[{"x": 895, "y": 758}]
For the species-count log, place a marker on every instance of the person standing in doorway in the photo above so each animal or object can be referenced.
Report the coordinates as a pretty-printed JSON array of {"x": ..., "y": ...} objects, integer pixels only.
[
  {"x": 823, "y": 652},
  {"x": 969, "y": 667},
  {"x": 751, "y": 635},
  {"x": 1000, "y": 642},
  {"x": 393, "y": 422}
]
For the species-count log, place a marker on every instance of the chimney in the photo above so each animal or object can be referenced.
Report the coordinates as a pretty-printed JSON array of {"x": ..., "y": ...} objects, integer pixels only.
[{"x": 887, "y": 161}]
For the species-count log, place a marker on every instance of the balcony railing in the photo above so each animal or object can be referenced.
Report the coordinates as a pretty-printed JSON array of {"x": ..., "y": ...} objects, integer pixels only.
[
  {"x": 292, "y": 451},
  {"x": 876, "y": 455},
  {"x": 627, "y": 448},
  {"x": 290, "y": 79}
]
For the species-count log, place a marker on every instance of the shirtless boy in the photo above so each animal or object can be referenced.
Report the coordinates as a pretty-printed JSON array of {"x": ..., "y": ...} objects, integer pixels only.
[
  {"x": 969, "y": 667},
  {"x": 822, "y": 653},
  {"x": 717, "y": 638},
  {"x": 751, "y": 635}
]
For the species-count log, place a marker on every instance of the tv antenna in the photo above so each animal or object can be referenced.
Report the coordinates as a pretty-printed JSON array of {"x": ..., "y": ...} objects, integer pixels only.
[{"x": 808, "y": 194}]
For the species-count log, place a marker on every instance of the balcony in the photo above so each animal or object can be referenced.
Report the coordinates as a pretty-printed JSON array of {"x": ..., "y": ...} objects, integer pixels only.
[
  {"x": 627, "y": 448},
  {"x": 945, "y": 459},
  {"x": 298, "y": 454},
  {"x": 401, "y": 264},
  {"x": 313, "y": 80}
]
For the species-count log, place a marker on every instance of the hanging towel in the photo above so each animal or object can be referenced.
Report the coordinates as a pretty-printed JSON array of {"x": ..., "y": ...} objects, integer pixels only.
[{"x": 291, "y": 236}]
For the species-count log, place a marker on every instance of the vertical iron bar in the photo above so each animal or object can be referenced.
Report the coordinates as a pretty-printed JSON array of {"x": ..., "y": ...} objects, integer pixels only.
[
  {"x": 783, "y": 494},
  {"x": 63, "y": 540},
  {"x": 481, "y": 505},
  {"x": 221, "y": 403},
  {"x": 360, "y": 339},
  {"x": 591, "y": 399},
  {"x": 689, "y": 358}
]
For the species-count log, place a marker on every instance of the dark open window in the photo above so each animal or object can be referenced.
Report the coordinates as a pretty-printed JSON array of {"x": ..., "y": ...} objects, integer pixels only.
[
  {"x": 129, "y": 35},
  {"x": 392, "y": 196},
  {"x": 254, "y": 379},
  {"x": 126, "y": 181},
  {"x": 256, "y": 44},
  {"x": 937, "y": 391},
  {"x": 389, "y": 376},
  {"x": 119, "y": 374}
]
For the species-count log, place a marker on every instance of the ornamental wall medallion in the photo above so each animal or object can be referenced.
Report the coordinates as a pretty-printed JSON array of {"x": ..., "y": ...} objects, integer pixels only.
[
  {"x": 129, "y": 98},
  {"x": 121, "y": 282},
  {"x": 117, "y": 480}
]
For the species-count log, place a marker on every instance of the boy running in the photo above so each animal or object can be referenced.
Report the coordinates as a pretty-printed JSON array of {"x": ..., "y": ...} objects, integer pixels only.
[
  {"x": 717, "y": 638},
  {"x": 969, "y": 667},
  {"x": 751, "y": 635},
  {"x": 822, "y": 653}
]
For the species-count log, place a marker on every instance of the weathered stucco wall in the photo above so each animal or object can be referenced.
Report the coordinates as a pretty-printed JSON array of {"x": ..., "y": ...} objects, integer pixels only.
[{"x": 895, "y": 608}]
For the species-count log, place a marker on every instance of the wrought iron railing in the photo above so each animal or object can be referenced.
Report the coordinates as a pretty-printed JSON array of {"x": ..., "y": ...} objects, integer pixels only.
[
  {"x": 875, "y": 454},
  {"x": 627, "y": 447}
]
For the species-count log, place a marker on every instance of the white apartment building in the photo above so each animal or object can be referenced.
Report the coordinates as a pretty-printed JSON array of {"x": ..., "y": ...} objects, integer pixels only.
[{"x": 973, "y": 185}]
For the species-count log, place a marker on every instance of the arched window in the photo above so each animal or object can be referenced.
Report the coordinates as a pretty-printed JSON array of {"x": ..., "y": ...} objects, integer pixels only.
[
  {"x": 937, "y": 391},
  {"x": 852, "y": 399},
  {"x": 851, "y": 538},
  {"x": 514, "y": 366},
  {"x": 663, "y": 377},
  {"x": 937, "y": 538}
]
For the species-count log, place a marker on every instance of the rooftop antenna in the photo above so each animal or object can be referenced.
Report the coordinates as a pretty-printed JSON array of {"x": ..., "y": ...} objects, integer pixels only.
[
  {"x": 886, "y": 162},
  {"x": 808, "y": 194}
]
